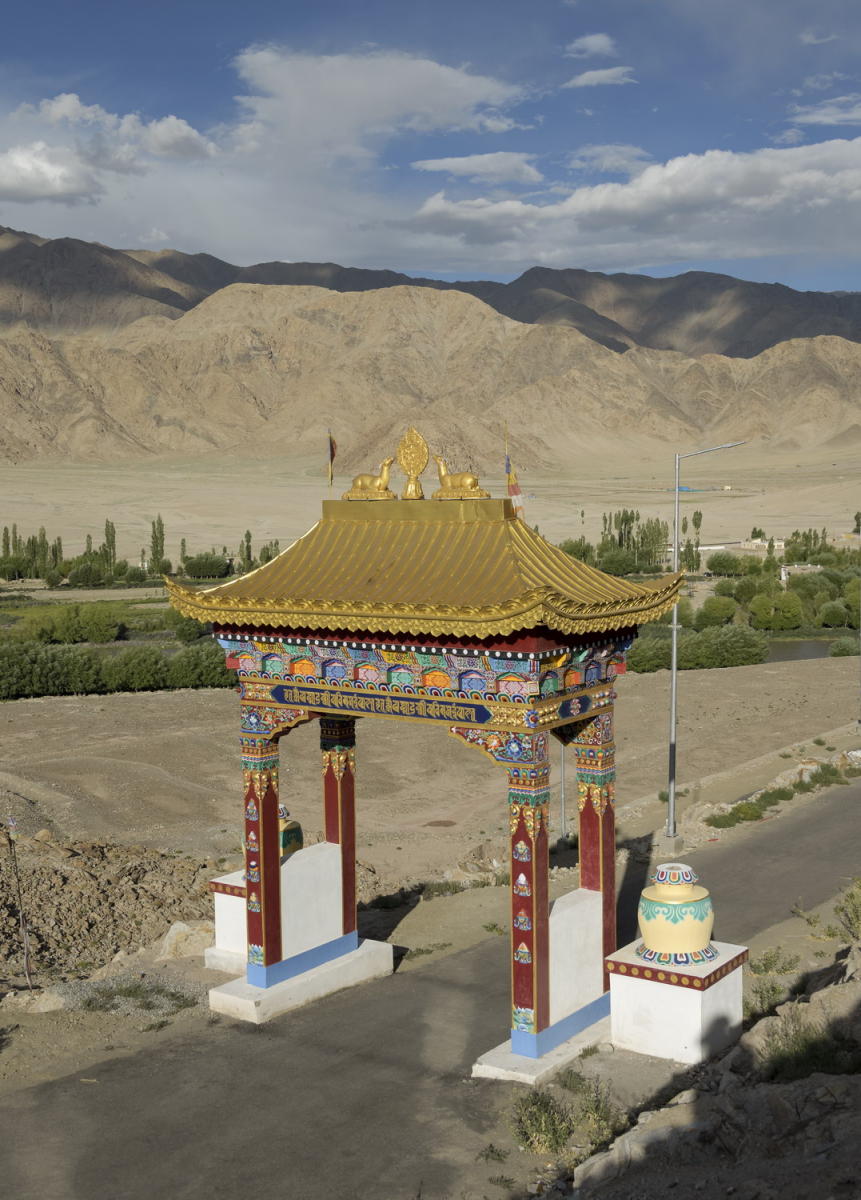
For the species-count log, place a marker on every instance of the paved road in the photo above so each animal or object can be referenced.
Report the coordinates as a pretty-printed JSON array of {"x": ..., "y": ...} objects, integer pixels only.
[{"x": 364, "y": 1095}]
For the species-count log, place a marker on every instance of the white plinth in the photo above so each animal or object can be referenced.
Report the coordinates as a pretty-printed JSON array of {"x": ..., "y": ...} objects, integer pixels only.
[
  {"x": 684, "y": 1013},
  {"x": 576, "y": 952},
  {"x": 241, "y": 1000},
  {"x": 232, "y": 961},
  {"x": 501, "y": 1063}
]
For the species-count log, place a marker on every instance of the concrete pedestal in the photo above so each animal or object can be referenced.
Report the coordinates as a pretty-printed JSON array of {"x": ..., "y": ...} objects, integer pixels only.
[
  {"x": 685, "y": 1013},
  {"x": 503, "y": 1063},
  {"x": 245, "y": 1002}
]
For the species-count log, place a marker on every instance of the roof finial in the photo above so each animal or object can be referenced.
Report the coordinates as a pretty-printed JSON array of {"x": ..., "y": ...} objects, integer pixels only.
[{"x": 412, "y": 459}]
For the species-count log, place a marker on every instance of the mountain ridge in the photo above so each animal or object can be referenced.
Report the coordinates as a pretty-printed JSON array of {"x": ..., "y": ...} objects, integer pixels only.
[
  {"x": 66, "y": 284},
  {"x": 261, "y": 365}
]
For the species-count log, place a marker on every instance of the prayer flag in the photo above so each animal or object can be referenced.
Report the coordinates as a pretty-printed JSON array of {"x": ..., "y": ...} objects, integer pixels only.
[
  {"x": 333, "y": 450},
  {"x": 511, "y": 477}
]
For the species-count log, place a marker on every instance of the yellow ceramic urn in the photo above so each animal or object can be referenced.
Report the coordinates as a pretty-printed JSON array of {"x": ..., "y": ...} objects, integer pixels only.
[{"x": 676, "y": 918}]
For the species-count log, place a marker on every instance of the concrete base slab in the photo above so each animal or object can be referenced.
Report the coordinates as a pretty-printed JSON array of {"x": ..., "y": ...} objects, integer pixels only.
[
  {"x": 245, "y": 1002},
  {"x": 224, "y": 960},
  {"x": 501, "y": 1063}
]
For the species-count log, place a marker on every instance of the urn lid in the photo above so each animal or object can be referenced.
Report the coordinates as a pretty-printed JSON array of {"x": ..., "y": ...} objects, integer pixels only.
[{"x": 675, "y": 882}]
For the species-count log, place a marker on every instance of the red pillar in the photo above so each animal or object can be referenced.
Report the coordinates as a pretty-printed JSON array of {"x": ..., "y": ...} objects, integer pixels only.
[
  {"x": 262, "y": 855},
  {"x": 594, "y": 751},
  {"x": 528, "y": 792},
  {"x": 337, "y": 744}
]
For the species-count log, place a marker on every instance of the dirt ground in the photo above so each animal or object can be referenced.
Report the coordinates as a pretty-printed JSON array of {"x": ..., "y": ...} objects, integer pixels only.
[
  {"x": 162, "y": 769},
  {"x": 211, "y": 501}
]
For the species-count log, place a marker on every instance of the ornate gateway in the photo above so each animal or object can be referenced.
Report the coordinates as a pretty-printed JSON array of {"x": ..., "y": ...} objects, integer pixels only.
[{"x": 449, "y": 610}]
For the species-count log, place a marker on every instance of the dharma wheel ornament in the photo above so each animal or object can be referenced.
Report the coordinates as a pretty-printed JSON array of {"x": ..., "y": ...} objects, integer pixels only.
[
  {"x": 676, "y": 918},
  {"x": 412, "y": 459}
]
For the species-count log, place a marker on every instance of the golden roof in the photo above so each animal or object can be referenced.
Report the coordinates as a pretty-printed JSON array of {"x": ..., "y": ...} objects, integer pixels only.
[{"x": 466, "y": 568}]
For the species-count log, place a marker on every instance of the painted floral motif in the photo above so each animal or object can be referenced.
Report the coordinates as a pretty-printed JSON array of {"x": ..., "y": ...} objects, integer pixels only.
[
  {"x": 251, "y": 813},
  {"x": 522, "y": 954},
  {"x": 254, "y": 902},
  {"x": 523, "y": 1019},
  {"x": 677, "y": 873},
  {"x": 253, "y": 872},
  {"x": 521, "y": 886},
  {"x": 521, "y": 852},
  {"x": 689, "y": 958},
  {"x": 697, "y": 910},
  {"x": 255, "y": 955},
  {"x": 522, "y": 921}
]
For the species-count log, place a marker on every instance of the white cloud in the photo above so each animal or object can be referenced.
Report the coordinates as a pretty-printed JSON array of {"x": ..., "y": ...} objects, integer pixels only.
[
  {"x": 500, "y": 166},
  {"x": 809, "y": 38},
  {"x": 841, "y": 110},
  {"x": 789, "y": 137},
  {"x": 718, "y": 204},
  {"x": 592, "y": 44},
  {"x": 342, "y": 105},
  {"x": 606, "y": 75},
  {"x": 41, "y": 172},
  {"x": 821, "y": 83},
  {"x": 612, "y": 159}
]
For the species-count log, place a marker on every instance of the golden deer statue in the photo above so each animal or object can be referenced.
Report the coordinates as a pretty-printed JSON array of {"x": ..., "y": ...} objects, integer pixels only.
[
  {"x": 372, "y": 487},
  {"x": 463, "y": 485}
]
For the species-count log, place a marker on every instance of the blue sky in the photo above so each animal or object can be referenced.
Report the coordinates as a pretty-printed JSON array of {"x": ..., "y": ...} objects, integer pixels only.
[{"x": 454, "y": 139}]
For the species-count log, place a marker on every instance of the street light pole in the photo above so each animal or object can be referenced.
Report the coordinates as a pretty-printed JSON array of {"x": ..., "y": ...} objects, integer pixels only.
[{"x": 674, "y": 659}]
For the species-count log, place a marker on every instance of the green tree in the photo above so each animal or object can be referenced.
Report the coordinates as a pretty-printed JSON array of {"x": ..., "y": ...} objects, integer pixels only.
[
  {"x": 780, "y": 611},
  {"x": 745, "y": 589},
  {"x": 156, "y": 543},
  {"x": 206, "y": 566},
  {"x": 725, "y": 587},
  {"x": 716, "y": 610},
  {"x": 7, "y": 544},
  {"x": 833, "y": 615},
  {"x": 724, "y": 563}
]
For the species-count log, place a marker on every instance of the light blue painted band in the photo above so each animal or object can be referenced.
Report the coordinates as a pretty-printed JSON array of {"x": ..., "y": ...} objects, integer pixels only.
[
  {"x": 288, "y": 968},
  {"x": 534, "y": 1045}
]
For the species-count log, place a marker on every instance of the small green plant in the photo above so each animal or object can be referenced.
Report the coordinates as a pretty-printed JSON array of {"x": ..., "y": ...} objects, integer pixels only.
[
  {"x": 847, "y": 910},
  {"x": 664, "y": 796},
  {"x": 155, "y": 1026},
  {"x": 493, "y": 927},
  {"x": 766, "y": 994},
  {"x": 501, "y": 1181},
  {"x": 492, "y": 1153},
  {"x": 797, "y": 1047},
  {"x": 143, "y": 994},
  {"x": 599, "y": 1116},
  {"x": 541, "y": 1123},
  {"x": 774, "y": 961},
  {"x": 420, "y": 951},
  {"x": 831, "y": 748},
  {"x": 819, "y": 741},
  {"x": 588, "y": 1051},
  {"x": 784, "y": 754},
  {"x": 572, "y": 1081}
]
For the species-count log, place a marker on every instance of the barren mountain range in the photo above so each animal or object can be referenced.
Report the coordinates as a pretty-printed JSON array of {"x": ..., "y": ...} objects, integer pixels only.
[
  {"x": 66, "y": 284},
  {"x": 107, "y": 353}
]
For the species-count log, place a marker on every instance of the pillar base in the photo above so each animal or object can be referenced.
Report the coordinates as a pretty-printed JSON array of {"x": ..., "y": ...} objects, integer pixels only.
[
  {"x": 503, "y": 1063},
  {"x": 245, "y": 1002}
]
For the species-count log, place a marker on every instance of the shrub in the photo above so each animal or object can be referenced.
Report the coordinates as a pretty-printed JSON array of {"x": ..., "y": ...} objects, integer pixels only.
[
  {"x": 141, "y": 669},
  {"x": 725, "y": 587},
  {"x": 847, "y": 910},
  {"x": 135, "y": 575},
  {"x": 541, "y": 1123},
  {"x": 617, "y": 562},
  {"x": 649, "y": 654},
  {"x": 80, "y": 671},
  {"x": 199, "y": 666},
  {"x": 844, "y": 647}
]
